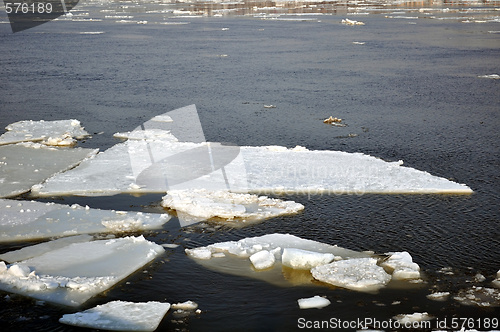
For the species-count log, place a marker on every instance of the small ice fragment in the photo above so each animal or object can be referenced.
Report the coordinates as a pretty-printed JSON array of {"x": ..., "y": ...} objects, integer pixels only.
[
  {"x": 405, "y": 319},
  {"x": 170, "y": 245},
  {"x": 347, "y": 21},
  {"x": 492, "y": 76},
  {"x": 402, "y": 266},
  {"x": 262, "y": 260},
  {"x": 303, "y": 259},
  {"x": 120, "y": 316},
  {"x": 438, "y": 296},
  {"x": 313, "y": 302},
  {"x": 188, "y": 305}
]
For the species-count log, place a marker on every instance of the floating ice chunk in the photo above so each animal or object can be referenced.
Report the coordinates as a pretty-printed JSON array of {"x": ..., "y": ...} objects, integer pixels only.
[
  {"x": 362, "y": 274},
  {"x": 492, "y": 76},
  {"x": 120, "y": 316},
  {"x": 73, "y": 274},
  {"x": 406, "y": 319},
  {"x": 402, "y": 266},
  {"x": 23, "y": 220},
  {"x": 26, "y": 164},
  {"x": 313, "y": 302},
  {"x": 347, "y": 21},
  {"x": 439, "y": 296},
  {"x": 60, "y": 132},
  {"x": 42, "y": 248},
  {"x": 262, "y": 260},
  {"x": 223, "y": 204},
  {"x": 188, "y": 305},
  {"x": 303, "y": 259}
]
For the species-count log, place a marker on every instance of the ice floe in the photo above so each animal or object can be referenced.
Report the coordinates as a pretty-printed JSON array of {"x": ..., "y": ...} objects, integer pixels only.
[
  {"x": 26, "y": 164},
  {"x": 59, "y": 132},
  {"x": 285, "y": 260},
  {"x": 120, "y": 316},
  {"x": 347, "y": 21},
  {"x": 27, "y": 220},
  {"x": 204, "y": 204},
  {"x": 492, "y": 76},
  {"x": 169, "y": 152},
  {"x": 313, "y": 302},
  {"x": 72, "y": 274}
]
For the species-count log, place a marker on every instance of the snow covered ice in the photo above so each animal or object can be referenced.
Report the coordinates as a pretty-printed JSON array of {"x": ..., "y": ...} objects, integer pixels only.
[
  {"x": 24, "y": 165},
  {"x": 59, "y": 132},
  {"x": 285, "y": 260},
  {"x": 26, "y": 220},
  {"x": 120, "y": 316},
  {"x": 163, "y": 155},
  {"x": 72, "y": 274}
]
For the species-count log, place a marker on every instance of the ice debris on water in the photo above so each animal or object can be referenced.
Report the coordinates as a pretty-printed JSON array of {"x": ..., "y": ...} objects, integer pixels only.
[
  {"x": 496, "y": 282},
  {"x": 72, "y": 274},
  {"x": 313, "y": 302},
  {"x": 26, "y": 220},
  {"x": 439, "y": 296},
  {"x": 479, "y": 296},
  {"x": 28, "y": 164},
  {"x": 205, "y": 204},
  {"x": 407, "y": 319},
  {"x": 347, "y": 21},
  {"x": 275, "y": 256},
  {"x": 120, "y": 316},
  {"x": 59, "y": 132},
  {"x": 491, "y": 76},
  {"x": 401, "y": 263}
]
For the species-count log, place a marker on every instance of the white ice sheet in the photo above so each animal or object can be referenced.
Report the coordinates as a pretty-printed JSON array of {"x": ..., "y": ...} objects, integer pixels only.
[
  {"x": 27, "y": 220},
  {"x": 72, "y": 274},
  {"x": 120, "y": 316},
  {"x": 26, "y": 164}
]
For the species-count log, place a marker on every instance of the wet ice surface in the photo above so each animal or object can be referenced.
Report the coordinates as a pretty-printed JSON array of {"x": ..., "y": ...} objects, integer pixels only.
[
  {"x": 411, "y": 92},
  {"x": 74, "y": 273},
  {"x": 28, "y": 220},
  {"x": 120, "y": 316},
  {"x": 27, "y": 164}
]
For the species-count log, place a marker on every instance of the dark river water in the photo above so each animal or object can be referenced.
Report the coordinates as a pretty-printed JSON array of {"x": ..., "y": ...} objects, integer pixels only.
[{"x": 408, "y": 89}]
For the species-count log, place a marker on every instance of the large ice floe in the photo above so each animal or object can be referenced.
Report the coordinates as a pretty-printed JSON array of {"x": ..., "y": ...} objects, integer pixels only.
[
  {"x": 285, "y": 260},
  {"x": 120, "y": 316},
  {"x": 70, "y": 274},
  {"x": 59, "y": 132},
  {"x": 169, "y": 152},
  {"x": 26, "y": 164},
  {"x": 27, "y": 220}
]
